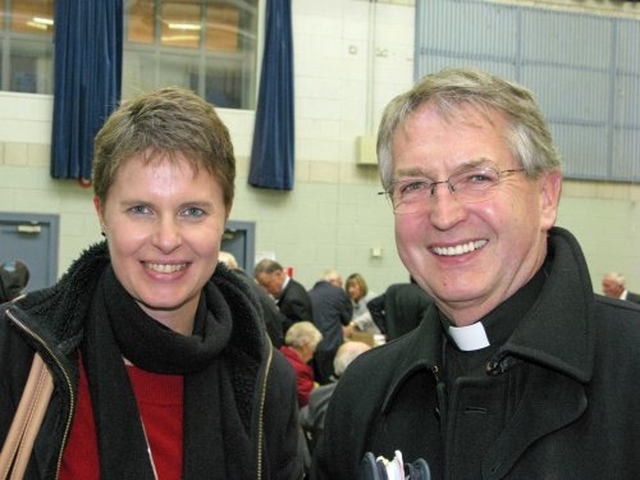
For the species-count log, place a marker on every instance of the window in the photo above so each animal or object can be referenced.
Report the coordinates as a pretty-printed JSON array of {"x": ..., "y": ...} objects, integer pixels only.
[
  {"x": 26, "y": 28},
  {"x": 208, "y": 46},
  {"x": 587, "y": 88}
]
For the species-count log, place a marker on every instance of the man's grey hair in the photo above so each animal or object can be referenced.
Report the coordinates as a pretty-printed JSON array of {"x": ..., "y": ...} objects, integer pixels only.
[
  {"x": 617, "y": 278},
  {"x": 448, "y": 91}
]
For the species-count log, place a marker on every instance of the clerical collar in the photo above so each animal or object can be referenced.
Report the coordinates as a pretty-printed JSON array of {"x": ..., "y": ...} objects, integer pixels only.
[
  {"x": 497, "y": 326},
  {"x": 472, "y": 337}
]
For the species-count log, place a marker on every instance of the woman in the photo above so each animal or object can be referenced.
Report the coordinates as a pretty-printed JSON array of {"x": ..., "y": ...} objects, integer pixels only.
[
  {"x": 359, "y": 292},
  {"x": 361, "y": 321},
  {"x": 161, "y": 365},
  {"x": 301, "y": 342}
]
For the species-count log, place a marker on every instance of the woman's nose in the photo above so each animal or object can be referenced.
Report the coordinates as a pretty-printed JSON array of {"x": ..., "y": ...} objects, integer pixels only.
[{"x": 167, "y": 236}]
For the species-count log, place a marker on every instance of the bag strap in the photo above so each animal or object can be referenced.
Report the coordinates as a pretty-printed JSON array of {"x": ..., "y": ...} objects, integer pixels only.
[{"x": 26, "y": 423}]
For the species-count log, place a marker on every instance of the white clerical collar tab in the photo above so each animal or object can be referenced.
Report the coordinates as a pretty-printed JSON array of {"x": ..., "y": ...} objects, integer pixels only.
[{"x": 470, "y": 338}]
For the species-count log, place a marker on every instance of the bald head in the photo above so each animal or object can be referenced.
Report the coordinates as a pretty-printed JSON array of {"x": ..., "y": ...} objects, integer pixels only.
[
  {"x": 613, "y": 284},
  {"x": 346, "y": 354}
]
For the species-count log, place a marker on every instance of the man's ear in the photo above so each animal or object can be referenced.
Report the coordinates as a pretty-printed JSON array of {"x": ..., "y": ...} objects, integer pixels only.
[{"x": 550, "y": 191}]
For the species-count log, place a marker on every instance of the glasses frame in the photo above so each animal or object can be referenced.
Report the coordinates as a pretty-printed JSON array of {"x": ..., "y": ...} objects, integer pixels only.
[{"x": 432, "y": 186}]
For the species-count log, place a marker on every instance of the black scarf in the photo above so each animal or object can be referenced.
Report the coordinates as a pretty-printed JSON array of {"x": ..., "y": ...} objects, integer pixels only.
[{"x": 216, "y": 441}]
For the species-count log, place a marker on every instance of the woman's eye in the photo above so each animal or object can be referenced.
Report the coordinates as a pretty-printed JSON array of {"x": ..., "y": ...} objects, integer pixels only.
[
  {"x": 139, "y": 209},
  {"x": 194, "y": 212}
]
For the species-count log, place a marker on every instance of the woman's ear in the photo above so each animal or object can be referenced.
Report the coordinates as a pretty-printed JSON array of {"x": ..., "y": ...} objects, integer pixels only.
[{"x": 98, "y": 206}]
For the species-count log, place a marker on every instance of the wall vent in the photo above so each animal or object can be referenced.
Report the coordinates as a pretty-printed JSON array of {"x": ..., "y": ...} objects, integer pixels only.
[{"x": 366, "y": 150}]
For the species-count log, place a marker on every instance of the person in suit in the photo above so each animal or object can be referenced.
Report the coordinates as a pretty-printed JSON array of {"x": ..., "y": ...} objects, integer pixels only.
[
  {"x": 399, "y": 309},
  {"x": 332, "y": 310},
  {"x": 290, "y": 296},
  {"x": 614, "y": 286}
]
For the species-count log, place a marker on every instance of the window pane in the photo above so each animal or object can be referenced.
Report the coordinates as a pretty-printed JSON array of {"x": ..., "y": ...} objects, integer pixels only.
[
  {"x": 181, "y": 25},
  {"x": 31, "y": 67},
  {"x": 138, "y": 72},
  {"x": 224, "y": 84},
  {"x": 180, "y": 70},
  {"x": 222, "y": 27},
  {"x": 141, "y": 21},
  {"x": 144, "y": 71},
  {"x": 32, "y": 16},
  {"x": 208, "y": 46}
]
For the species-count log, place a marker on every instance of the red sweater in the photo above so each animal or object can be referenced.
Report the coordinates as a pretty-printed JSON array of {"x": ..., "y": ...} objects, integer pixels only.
[
  {"x": 304, "y": 374},
  {"x": 160, "y": 401}
]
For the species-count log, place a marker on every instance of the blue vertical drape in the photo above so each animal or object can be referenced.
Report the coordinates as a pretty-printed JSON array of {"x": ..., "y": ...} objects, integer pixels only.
[
  {"x": 272, "y": 153},
  {"x": 87, "y": 82}
]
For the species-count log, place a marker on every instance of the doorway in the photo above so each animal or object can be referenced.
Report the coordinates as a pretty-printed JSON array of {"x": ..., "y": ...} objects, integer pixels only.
[
  {"x": 239, "y": 239},
  {"x": 32, "y": 239}
]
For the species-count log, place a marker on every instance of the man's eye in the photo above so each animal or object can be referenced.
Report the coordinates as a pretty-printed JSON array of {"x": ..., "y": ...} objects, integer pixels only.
[
  {"x": 479, "y": 177},
  {"x": 408, "y": 188}
]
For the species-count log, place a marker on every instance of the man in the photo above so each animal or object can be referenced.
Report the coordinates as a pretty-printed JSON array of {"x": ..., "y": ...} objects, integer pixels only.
[
  {"x": 290, "y": 296},
  {"x": 332, "y": 311},
  {"x": 518, "y": 371},
  {"x": 333, "y": 277},
  {"x": 614, "y": 286},
  {"x": 273, "y": 319}
]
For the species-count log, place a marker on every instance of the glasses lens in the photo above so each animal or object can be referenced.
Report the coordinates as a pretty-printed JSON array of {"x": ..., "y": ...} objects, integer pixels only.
[
  {"x": 475, "y": 185},
  {"x": 468, "y": 186},
  {"x": 410, "y": 195}
]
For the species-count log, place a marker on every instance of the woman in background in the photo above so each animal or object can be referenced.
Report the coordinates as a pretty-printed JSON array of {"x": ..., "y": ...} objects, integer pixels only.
[{"x": 361, "y": 320}]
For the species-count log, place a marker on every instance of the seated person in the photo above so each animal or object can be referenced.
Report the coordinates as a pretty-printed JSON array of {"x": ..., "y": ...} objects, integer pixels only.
[
  {"x": 361, "y": 320},
  {"x": 312, "y": 415},
  {"x": 300, "y": 344}
]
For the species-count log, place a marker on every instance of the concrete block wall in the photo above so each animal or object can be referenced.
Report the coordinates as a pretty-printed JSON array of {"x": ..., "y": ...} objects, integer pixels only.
[{"x": 346, "y": 71}]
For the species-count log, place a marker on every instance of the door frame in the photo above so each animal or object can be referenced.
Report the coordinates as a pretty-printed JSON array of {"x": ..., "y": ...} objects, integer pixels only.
[
  {"x": 54, "y": 238},
  {"x": 249, "y": 256}
]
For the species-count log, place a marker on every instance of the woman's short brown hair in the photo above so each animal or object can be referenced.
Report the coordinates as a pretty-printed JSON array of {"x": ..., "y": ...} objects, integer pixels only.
[{"x": 163, "y": 123}]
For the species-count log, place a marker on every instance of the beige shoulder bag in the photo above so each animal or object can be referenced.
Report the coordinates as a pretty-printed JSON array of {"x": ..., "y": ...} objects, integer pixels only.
[{"x": 26, "y": 423}]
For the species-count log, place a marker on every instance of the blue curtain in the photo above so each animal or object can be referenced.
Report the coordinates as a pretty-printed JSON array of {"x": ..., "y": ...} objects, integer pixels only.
[
  {"x": 272, "y": 153},
  {"x": 88, "y": 77}
]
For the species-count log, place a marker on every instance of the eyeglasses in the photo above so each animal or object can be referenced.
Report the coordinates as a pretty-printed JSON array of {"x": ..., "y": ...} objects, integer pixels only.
[{"x": 477, "y": 184}]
